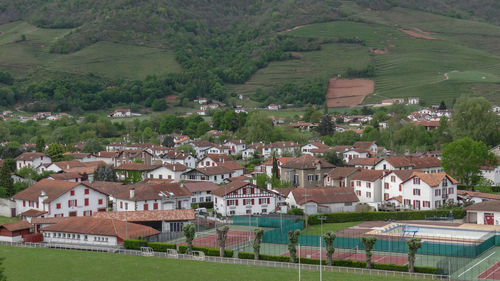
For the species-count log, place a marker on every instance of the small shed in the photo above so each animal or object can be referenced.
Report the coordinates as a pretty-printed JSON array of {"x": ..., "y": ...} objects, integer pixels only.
[{"x": 15, "y": 231}]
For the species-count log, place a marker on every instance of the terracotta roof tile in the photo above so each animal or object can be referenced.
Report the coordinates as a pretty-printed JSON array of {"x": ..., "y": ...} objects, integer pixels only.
[
  {"x": 107, "y": 187},
  {"x": 16, "y": 226},
  {"x": 363, "y": 161},
  {"x": 398, "y": 161},
  {"x": 151, "y": 215},
  {"x": 218, "y": 157},
  {"x": 33, "y": 213},
  {"x": 136, "y": 167},
  {"x": 30, "y": 156},
  {"x": 232, "y": 186},
  {"x": 151, "y": 191},
  {"x": 342, "y": 172},
  {"x": 52, "y": 188},
  {"x": 324, "y": 195},
  {"x": 425, "y": 162},
  {"x": 432, "y": 180},
  {"x": 368, "y": 175},
  {"x": 201, "y": 186},
  {"x": 215, "y": 170},
  {"x": 479, "y": 194},
  {"x": 485, "y": 206},
  {"x": 307, "y": 161},
  {"x": 363, "y": 144},
  {"x": 233, "y": 165}
]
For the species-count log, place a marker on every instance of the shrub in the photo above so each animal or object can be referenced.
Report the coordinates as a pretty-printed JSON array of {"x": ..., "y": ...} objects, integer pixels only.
[
  {"x": 208, "y": 205},
  {"x": 161, "y": 247},
  {"x": 372, "y": 216},
  {"x": 134, "y": 244},
  {"x": 250, "y": 256},
  {"x": 208, "y": 251}
]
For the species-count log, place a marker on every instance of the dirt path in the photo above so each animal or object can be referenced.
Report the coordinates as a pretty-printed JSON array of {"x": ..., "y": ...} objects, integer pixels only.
[
  {"x": 291, "y": 29},
  {"x": 417, "y": 35}
]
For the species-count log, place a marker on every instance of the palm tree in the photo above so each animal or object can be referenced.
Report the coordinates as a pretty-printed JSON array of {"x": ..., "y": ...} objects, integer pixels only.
[
  {"x": 329, "y": 237},
  {"x": 368, "y": 243},
  {"x": 413, "y": 245},
  {"x": 221, "y": 237},
  {"x": 257, "y": 239}
]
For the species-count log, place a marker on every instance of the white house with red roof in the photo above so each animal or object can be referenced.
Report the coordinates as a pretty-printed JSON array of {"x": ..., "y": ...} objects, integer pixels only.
[
  {"x": 32, "y": 159},
  {"x": 243, "y": 198},
  {"x": 235, "y": 146},
  {"x": 120, "y": 113},
  {"x": 61, "y": 199},
  {"x": 391, "y": 185},
  {"x": 492, "y": 173},
  {"x": 167, "y": 171},
  {"x": 280, "y": 148},
  {"x": 15, "y": 231},
  {"x": 323, "y": 199},
  {"x": 367, "y": 185},
  {"x": 212, "y": 160},
  {"x": 215, "y": 174},
  {"x": 354, "y": 153},
  {"x": 173, "y": 156},
  {"x": 201, "y": 191},
  {"x": 428, "y": 191},
  {"x": 394, "y": 163}
]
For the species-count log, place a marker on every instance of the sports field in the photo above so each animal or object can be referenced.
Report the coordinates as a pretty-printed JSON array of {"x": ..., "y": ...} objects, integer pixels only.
[
  {"x": 53, "y": 265},
  {"x": 484, "y": 267}
]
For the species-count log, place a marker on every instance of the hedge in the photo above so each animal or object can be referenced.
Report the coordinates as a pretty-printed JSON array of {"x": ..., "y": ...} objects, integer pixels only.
[
  {"x": 161, "y": 247},
  {"x": 344, "y": 263},
  {"x": 207, "y": 250},
  {"x": 374, "y": 216},
  {"x": 208, "y": 205},
  {"x": 134, "y": 244}
]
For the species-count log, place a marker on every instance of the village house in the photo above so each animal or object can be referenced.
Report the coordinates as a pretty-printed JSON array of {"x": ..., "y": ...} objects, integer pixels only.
[
  {"x": 340, "y": 176},
  {"x": 308, "y": 148},
  {"x": 235, "y": 146},
  {"x": 133, "y": 156},
  {"x": 94, "y": 231},
  {"x": 218, "y": 149},
  {"x": 61, "y": 199},
  {"x": 267, "y": 167},
  {"x": 212, "y": 160},
  {"x": 363, "y": 163},
  {"x": 273, "y": 106},
  {"x": 167, "y": 171},
  {"x": 306, "y": 171},
  {"x": 107, "y": 157},
  {"x": 391, "y": 184},
  {"x": 492, "y": 173},
  {"x": 355, "y": 153},
  {"x": 243, "y": 198},
  {"x": 215, "y": 174},
  {"x": 366, "y": 145},
  {"x": 161, "y": 220},
  {"x": 134, "y": 172},
  {"x": 367, "y": 185},
  {"x": 15, "y": 231},
  {"x": 428, "y": 191},
  {"x": 120, "y": 113},
  {"x": 427, "y": 165},
  {"x": 323, "y": 200},
  {"x": 413, "y": 101},
  {"x": 172, "y": 157},
  {"x": 465, "y": 196},
  {"x": 280, "y": 148},
  {"x": 487, "y": 212},
  {"x": 202, "y": 191},
  {"x": 394, "y": 163},
  {"x": 201, "y": 147},
  {"x": 32, "y": 160},
  {"x": 153, "y": 196}
]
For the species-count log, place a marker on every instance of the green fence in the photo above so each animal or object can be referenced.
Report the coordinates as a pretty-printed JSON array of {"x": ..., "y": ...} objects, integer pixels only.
[{"x": 273, "y": 222}]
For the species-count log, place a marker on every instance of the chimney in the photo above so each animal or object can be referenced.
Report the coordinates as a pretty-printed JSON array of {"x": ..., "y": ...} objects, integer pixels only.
[{"x": 132, "y": 192}]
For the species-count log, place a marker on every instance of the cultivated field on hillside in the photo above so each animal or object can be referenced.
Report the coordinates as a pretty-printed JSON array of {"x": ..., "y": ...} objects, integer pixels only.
[
  {"x": 54, "y": 265},
  {"x": 106, "y": 59},
  {"x": 348, "y": 92}
]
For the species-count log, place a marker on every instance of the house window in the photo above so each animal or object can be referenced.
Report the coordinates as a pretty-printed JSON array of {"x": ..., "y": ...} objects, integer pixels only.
[
  {"x": 450, "y": 190},
  {"x": 310, "y": 177},
  {"x": 386, "y": 185},
  {"x": 72, "y": 193},
  {"x": 24, "y": 203},
  {"x": 437, "y": 192},
  {"x": 87, "y": 191},
  {"x": 72, "y": 203},
  {"x": 192, "y": 177},
  {"x": 86, "y": 201},
  {"x": 358, "y": 192},
  {"x": 445, "y": 182},
  {"x": 347, "y": 204},
  {"x": 155, "y": 206},
  {"x": 160, "y": 177},
  {"x": 393, "y": 178},
  {"x": 368, "y": 194},
  {"x": 264, "y": 211},
  {"x": 58, "y": 206},
  {"x": 100, "y": 201},
  {"x": 400, "y": 187},
  {"x": 232, "y": 202},
  {"x": 416, "y": 180},
  {"x": 126, "y": 206},
  {"x": 416, "y": 191},
  {"x": 247, "y": 201},
  {"x": 151, "y": 176},
  {"x": 201, "y": 199},
  {"x": 437, "y": 204},
  {"x": 352, "y": 183},
  {"x": 146, "y": 207},
  {"x": 407, "y": 202},
  {"x": 193, "y": 200},
  {"x": 368, "y": 184},
  {"x": 169, "y": 176},
  {"x": 426, "y": 204},
  {"x": 249, "y": 211},
  {"x": 208, "y": 198},
  {"x": 386, "y": 196},
  {"x": 87, "y": 213},
  {"x": 231, "y": 212},
  {"x": 358, "y": 183}
]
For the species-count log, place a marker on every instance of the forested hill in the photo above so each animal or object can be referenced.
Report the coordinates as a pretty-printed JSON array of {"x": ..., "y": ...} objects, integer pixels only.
[{"x": 211, "y": 44}]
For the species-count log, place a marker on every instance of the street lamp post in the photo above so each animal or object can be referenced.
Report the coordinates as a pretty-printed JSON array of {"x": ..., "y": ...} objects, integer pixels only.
[{"x": 321, "y": 219}]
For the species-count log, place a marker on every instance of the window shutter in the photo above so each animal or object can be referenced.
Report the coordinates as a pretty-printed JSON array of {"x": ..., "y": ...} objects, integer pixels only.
[
  {"x": 227, "y": 202},
  {"x": 268, "y": 200},
  {"x": 253, "y": 202},
  {"x": 253, "y": 190},
  {"x": 69, "y": 203},
  {"x": 260, "y": 201},
  {"x": 237, "y": 202},
  {"x": 244, "y": 191},
  {"x": 244, "y": 202}
]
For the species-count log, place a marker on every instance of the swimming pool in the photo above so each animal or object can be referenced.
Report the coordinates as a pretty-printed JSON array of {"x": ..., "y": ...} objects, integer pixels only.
[{"x": 408, "y": 230}]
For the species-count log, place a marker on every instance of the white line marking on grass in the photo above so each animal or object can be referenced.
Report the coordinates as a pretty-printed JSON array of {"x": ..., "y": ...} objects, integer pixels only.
[{"x": 477, "y": 264}]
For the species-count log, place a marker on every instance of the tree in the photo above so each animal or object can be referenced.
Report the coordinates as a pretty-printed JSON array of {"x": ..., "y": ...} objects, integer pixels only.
[
  {"x": 413, "y": 245},
  {"x": 368, "y": 243},
  {"x": 189, "y": 232},
  {"x": 56, "y": 152},
  {"x": 105, "y": 173},
  {"x": 221, "y": 238},
  {"x": 168, "y": 141},
  {"x": 258, "y": 127},
  {"x": 473, "y": 117},
  {"x": 92, "y": 146},
  {"x": 463, "y": 159},
  {"x": 293, "y": 238},
  {"x": 11, "y": 163},
  {"x": 159, "y": 105},
  {"x": 329, "y": 237},
  {"x": 442, "y": 105},
  {"x": 326, "y": 127},
  {"x": 275, "y": 170},
  {"x": 6, "y": 182},
  {"x": 332, "y": 157},
  {"x": 186, "y": 148},
  {"x": 257, "y": 239},
  {"x": 40, "y": 144}
]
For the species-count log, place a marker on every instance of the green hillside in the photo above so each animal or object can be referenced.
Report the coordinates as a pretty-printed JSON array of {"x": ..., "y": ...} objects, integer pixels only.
[{"x": 217, "y": 49}]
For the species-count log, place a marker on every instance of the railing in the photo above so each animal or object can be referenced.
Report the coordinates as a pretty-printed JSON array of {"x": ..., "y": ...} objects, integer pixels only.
[{"x": 274, "y": 264}]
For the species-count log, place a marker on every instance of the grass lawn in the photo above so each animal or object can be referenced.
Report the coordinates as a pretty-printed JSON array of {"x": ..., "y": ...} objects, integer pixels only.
[
  {"x": 327, "y": 227},
  {"x": 6, "y": 220},
  {"x": 52, "y": 265}
]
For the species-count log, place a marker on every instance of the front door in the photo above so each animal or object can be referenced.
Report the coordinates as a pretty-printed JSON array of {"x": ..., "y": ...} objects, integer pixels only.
[
  {"x": 488, "y": 218},
  {"x": 72, "y": 214}
]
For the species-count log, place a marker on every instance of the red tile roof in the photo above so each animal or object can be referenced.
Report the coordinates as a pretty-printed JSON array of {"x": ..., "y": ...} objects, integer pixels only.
[
  {"x": 363, "y": 161},
  {"x": 151, "y": 215},
  {"x": 398, "y": 161},
  {"x": 368, "y": 175},
  {"x": 283, "y": 160},
  {"x": 136, "y": 167},
  {"x": 216, "y": 170},
  {"x": 107, "y": 187},
  {"x": 485, "y": 206},
  {"x": 342, "y": 172},
  {"x": 233, "y": 165},
  {"x": 30, "y": 156},
  {"x": 307, "y": 161},
  {"x": 233, "y": 186},
  {"x": 218, "y": 157},
  {"x": 33, "y": 213},
  {"x": 52, "y": 188},
  {"x": 324, "y": 195},
  {"x": 101, "y": 226},
  {"x": 478, "y": 194},
  {"x": 363, "y": 144},
  {"x": 432, "y": 180},
  {"x": 201, "y": 186},
  {"x": 151, "y": 191},
  {"x": 425, "y": 162},
  {"x": 16, "y": 226}
]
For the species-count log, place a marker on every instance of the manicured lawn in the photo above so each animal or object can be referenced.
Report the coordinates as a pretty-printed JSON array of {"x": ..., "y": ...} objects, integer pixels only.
[
  {"x": 53, "y": 265},
  {"x": 6, "y": 220},
  {"x": 327, "y": 227}
]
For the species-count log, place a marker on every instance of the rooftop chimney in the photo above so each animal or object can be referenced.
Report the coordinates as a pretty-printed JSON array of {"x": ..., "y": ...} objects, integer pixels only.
[{"x": 132, "y": 192}]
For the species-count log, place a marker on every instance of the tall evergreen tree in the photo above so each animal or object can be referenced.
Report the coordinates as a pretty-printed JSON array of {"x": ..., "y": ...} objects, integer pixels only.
[
  {"x": 40, "y": 144},
  {"x": 275, "y": 168},
  {"x": 326, "y": 127},
  {"x": 6, "y": 182}
]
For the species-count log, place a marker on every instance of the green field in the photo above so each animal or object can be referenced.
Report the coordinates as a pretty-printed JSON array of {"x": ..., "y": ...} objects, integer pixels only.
[
  {"x": 52, "y": 265},
  {"x": 111, "y": 60},
  {"x": 6, "y": 220},
  {"x": 328, "y": 227},
  {"x": 467, "y": 51}
]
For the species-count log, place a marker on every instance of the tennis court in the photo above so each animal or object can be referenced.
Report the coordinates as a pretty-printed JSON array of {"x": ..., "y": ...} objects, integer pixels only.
[
  {"x": 492, "y": 273},
  {"x": 234, "y": 237},
  {"x": 355, "y": 256},
  {"x": 484, "y": 267}
]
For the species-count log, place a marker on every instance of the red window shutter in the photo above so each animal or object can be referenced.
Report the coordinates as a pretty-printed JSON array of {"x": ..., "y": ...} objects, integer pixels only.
[
  {"x": 145, "y": 207},
  {"x": 69, "y": 203},
  {"x": 24, "y": 203},
  {"x": 86, "y": 202},
  {"x": 155, "y": 206},
  {"x": 253, "y": 190},
  {"x": 260, "y": 201},
  {"x": 227, "y": 203},
  {"x": 87, "y": 191},
  {"x": 121, "y": 204},
  {"x": 244, "y": 191},
  {"x": 37, "y": 204},
  {"x": 237, "y": 202},
  {"x": 244, "y": 202},
  {"x": 253, "y": 202},
  {"x": 72, "y": 192},
  {"x": 100, "y": 201},
  {"x": 268, "y": 200}
]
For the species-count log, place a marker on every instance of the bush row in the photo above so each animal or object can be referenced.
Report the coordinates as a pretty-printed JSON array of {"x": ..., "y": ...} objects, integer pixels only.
[
  {"x": 134, "y": 244},
  {"x": 344, "y": 263},
  {"x": 207, "y": 250},
  {"x": 373, "y": 216},
  {"x": 161, "y": 247}
]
